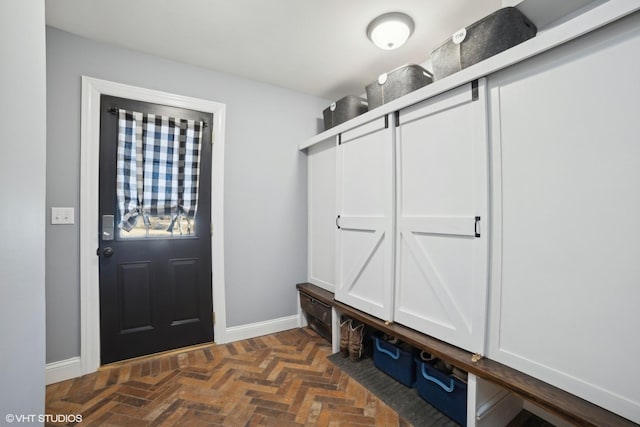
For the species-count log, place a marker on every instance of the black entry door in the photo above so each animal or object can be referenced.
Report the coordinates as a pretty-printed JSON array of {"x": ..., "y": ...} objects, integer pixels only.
[{"x": 155, "y": 285}]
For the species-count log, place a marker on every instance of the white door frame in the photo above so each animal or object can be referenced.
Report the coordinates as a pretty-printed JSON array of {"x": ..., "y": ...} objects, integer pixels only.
[{"x": 89, "y": 165}]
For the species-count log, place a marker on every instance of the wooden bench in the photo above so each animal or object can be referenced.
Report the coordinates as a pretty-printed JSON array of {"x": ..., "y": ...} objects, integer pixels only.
[{"x": 554, "y": 400}]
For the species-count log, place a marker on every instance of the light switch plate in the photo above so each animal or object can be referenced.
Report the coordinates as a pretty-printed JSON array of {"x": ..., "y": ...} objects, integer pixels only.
[{"x": 62, "y": 215}]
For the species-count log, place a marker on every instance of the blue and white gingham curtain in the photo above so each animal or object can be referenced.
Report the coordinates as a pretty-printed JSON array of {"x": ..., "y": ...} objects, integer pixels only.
[{"x": 158, "y": 163}]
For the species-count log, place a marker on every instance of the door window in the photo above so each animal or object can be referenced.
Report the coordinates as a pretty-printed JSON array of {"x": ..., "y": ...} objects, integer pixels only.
[{"x": 158, "y": 160}]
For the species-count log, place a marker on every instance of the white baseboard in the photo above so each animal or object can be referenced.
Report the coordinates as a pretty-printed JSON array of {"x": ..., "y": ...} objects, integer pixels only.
[
  {"x": 252, "y": 330},
  {"x": 62, "y": 370}
]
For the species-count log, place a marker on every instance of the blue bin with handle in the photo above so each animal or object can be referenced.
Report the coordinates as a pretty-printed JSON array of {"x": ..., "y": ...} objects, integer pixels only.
[
  {"x": 444, "y": 392},
  {"x": 394, "y": 361}
]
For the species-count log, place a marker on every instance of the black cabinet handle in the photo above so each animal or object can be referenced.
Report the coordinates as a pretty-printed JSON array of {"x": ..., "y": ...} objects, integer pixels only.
[
  {"x": 476, "y": 227},
  {"x": 337, "y": 219}
]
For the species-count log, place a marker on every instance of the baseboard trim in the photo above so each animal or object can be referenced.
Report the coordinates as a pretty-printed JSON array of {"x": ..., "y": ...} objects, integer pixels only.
[
  {"x": 62, "y": 370},
  {"x": 252, "y": 330}
]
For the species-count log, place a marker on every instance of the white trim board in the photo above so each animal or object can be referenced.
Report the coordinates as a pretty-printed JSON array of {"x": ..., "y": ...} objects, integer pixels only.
[
  {"x": 252, "y": 330},
  {"x": 89, "y": 160},
  {"x": 62, "y": 370}
]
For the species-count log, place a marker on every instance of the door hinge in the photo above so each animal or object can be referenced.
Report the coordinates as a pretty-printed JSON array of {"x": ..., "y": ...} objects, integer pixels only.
[
  {"x": 211, "y": 229},
  {"x": 213, "y": 137},
  {"x": 476, "y": 227},
  {"x": 213, "y": 317}
]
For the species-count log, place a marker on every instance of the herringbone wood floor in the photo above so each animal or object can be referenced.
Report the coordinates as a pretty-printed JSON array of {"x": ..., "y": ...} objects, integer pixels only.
[{"x": 282, "y": 379}]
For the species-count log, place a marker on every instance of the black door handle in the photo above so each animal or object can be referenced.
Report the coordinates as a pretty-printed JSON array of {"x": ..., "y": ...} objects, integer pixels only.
[{"x": 107, "y": 252}]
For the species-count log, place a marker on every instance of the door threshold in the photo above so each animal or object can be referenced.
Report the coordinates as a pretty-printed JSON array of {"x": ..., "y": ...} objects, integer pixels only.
[{"x": 154, "y": 355}]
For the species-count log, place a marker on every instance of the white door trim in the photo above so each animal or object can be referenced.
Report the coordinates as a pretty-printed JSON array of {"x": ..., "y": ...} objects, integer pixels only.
[{"x": 89, "y": 162}]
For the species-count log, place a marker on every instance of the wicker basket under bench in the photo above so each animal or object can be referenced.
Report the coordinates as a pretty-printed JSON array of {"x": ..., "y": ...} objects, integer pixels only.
[{"x": 316, "y": 305}]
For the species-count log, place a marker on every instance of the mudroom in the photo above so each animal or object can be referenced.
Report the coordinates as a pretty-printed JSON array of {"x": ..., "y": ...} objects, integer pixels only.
[{"x": 320, "y": 213}]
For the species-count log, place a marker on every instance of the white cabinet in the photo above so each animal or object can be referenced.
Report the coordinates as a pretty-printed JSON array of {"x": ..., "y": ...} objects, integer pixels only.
[
  {"x": 566, "y": 197},
  {"x": 364, "y": 219},
  {"x": 411, "y": 218},
  {"x": 442, "y": 232},
  {"x": 550, "y": 163},
  {"x": 321, "y": 164}
]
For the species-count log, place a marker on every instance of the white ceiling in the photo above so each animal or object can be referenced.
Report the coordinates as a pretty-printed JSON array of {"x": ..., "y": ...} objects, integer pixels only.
[{"x": 317, "y": 47}]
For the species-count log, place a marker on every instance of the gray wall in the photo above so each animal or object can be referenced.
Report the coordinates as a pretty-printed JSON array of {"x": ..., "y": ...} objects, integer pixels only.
[
  {"x": 22, "y": 191},
  {"x": 265, "y": 179}
]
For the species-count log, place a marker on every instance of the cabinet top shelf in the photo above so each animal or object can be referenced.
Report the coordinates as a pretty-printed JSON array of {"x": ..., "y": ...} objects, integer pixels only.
[{"x": 546, "y": 39}]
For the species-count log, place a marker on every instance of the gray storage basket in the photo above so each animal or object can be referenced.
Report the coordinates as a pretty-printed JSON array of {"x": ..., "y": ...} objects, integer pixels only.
[
  {"x": 495, "y": 33},
  {"x": 396, "y": 83},
  {"x": 342, "y": 110}
]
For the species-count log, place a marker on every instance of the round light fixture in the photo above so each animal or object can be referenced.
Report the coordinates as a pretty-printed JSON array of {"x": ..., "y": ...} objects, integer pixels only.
[{"x": 391, "y": 30}]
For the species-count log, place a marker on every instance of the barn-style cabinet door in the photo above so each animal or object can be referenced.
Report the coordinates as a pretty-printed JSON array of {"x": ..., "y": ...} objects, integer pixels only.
[
  {"x": 442, "y": 225},
  {"x": 364, "y": 218}
]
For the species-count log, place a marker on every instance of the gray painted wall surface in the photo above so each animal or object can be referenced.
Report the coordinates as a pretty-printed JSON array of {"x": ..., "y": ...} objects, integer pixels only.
[
  {"x": 22, "y": 191},
  {"x": 265, "y": 179}
]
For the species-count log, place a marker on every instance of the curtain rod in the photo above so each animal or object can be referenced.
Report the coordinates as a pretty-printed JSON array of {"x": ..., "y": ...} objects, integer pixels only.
[{"x": 114, "y": 110}]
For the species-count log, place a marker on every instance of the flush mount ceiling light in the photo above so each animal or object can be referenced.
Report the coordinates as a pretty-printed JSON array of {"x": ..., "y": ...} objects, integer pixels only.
[{"x": 391, "y": 30}]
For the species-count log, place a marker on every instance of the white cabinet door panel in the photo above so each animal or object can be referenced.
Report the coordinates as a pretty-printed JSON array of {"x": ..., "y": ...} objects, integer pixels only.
[
  {"x": 566, "y": 174},
  {"x": 322, "y": 207},
  {"x": 441, "y": 270},
  {"x": 364, "y": 202}
]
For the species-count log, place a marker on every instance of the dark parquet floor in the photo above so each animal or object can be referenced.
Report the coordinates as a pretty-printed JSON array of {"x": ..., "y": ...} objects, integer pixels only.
[{"x": 283, "y": 379}]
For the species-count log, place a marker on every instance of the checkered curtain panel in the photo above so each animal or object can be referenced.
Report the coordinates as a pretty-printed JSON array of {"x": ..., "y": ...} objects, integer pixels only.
[{"x": 158, "y": 163}]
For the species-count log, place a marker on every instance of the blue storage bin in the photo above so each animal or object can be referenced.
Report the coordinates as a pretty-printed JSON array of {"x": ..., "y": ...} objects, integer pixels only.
[
  {"x": 394, "y": 361},
  {"x": 445, "y": 392}
]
